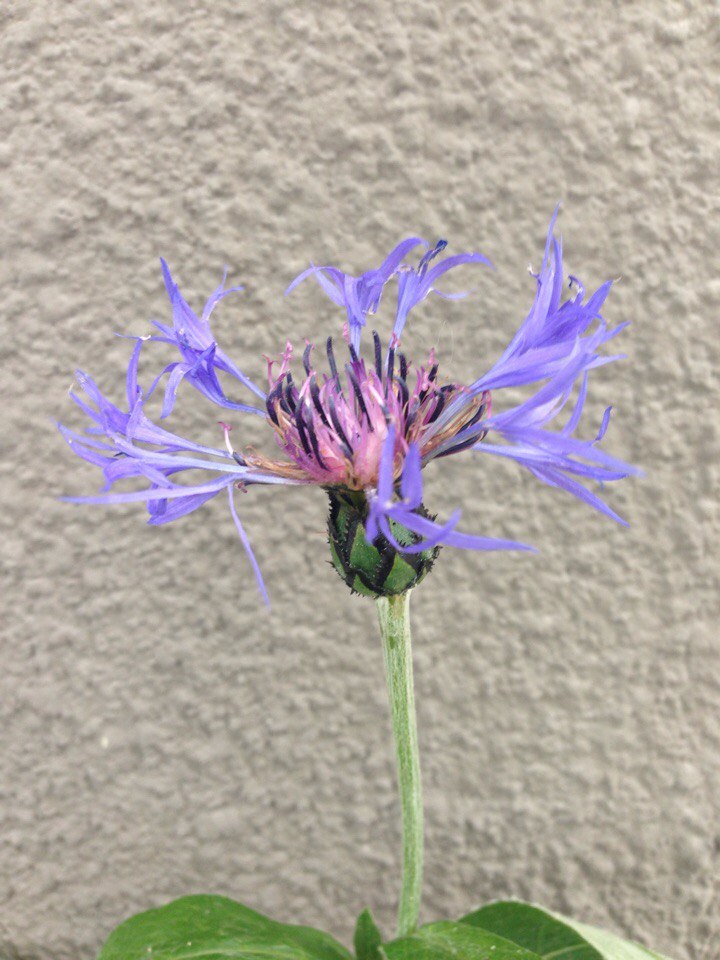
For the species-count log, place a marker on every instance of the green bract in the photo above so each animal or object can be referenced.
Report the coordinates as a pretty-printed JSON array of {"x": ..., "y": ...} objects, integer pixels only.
[{"x": 372, "y": 569}]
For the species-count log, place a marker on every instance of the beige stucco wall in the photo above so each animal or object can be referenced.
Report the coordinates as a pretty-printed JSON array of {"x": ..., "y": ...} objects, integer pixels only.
[{"x": 160, "y": 733}]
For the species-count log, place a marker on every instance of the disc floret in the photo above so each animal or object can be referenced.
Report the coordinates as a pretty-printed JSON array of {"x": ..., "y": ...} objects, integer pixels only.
[{"x": 333, "y": 425}]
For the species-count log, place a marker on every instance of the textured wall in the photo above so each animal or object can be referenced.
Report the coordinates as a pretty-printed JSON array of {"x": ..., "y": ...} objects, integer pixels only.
[{"x": 160, "y": 732}]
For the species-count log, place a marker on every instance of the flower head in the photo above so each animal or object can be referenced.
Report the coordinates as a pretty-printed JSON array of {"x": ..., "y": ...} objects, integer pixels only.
[{"x": 364, "y": 427}]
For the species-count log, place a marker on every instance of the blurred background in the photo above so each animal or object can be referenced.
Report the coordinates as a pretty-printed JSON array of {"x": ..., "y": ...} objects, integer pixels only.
[{"x": 161, "y": 733}]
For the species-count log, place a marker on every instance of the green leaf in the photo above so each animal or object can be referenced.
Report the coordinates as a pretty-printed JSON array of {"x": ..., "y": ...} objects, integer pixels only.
[
  {"x": 534, "y": 929},
  {"x": 552, "y": 936},
  {"x": 455, "y": 941},
  {"x": 214, "y": 928},
  {"x": 612, "y": 947},
  {"x": 368, "y": 941}
]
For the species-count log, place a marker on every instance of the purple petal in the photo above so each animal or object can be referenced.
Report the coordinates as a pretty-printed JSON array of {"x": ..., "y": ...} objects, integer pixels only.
[
  {"x": 447, "y": 535},
  {"x": 217, "y": 296},
  {"x": 432, "y": 533},
  {"x": 248, "y": 548},
  {"x": 411, "y": 487},
  {"x": 555, "y": 478},
  {"x": 178, "y": 508},
  {"x": 140, "y": 496},
  {"x": 604, "y": 425},
  {"x": 386, "y": 470}
]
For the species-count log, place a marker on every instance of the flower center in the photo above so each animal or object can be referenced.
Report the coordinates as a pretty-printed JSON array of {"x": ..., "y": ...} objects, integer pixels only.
[{"x": 333, "y": 425}]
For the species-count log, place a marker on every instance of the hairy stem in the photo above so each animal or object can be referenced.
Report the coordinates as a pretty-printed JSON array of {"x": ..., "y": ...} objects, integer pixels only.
[{"x": 394, "y": 615}]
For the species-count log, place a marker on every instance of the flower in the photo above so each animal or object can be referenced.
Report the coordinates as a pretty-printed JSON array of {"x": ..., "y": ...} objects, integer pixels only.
[{"x": 364, "y": 429}]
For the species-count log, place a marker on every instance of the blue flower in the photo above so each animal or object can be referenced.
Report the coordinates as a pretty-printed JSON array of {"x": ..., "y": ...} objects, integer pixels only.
[{"x": 365, "y": 428}]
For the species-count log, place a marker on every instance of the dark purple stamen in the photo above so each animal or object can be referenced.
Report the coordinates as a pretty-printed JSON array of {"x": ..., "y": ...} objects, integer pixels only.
[
  {"x": 358, "y": 394},
  {"x": 315, "y": 394},
  {"x": 440, "y": 403},
  {"x": 479, "y": 413},
  {"x": 463, "y": 444},
  {"x": 306, "y": 358},
  {"x": 270, "y": 401},
  {"x": 301, "y": 430},
  {"x": 331, "y": 361},
  {"x": 313, "y": 437},
  {"x": 390, "y": 364},
  {"x": 403, "y": 365},
  {"x": 378, "y": 354},
  {"x": 347, "y": 449},
  {"x": 290, "y": 393},
  {"x": 284, "y": 405},
  {"x": 272, "y": 397},
  {"x": 239, "y": 460},
  {"x": 467, "y": 436},
  {"x": 353, "y": 354}
]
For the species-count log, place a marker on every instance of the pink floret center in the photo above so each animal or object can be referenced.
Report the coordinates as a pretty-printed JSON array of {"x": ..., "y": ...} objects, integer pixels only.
[{"x": 332, "y": 426}]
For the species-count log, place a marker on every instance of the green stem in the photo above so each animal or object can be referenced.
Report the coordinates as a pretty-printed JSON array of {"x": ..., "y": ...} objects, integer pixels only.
[{"x": 394, "y": 614}]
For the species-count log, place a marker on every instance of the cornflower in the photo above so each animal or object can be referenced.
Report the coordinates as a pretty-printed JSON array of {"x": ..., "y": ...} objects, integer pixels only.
[{"x": 364, "y": 428}]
